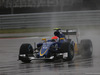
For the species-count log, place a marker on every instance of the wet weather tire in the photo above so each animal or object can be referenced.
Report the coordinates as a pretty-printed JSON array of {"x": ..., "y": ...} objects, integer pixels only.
[
  {"x": 67, "y": 47},
  {"x": 27, "y": 50},
  {"x": 86, "y": 48}
]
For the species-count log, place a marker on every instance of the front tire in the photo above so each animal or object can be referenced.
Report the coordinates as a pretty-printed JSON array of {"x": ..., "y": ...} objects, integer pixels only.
[
  {"x": 27, "y": 50},
  {"x": 67, "y": 47}
]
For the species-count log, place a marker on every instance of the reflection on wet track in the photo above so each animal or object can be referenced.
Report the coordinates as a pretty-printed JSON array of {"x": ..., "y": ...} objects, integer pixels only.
[
  {"x": 43, "y": 68},
  {"x": 9, "y": 65}
]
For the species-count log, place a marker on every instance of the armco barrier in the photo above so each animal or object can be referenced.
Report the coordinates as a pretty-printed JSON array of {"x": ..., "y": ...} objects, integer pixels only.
[{"x": 51, "y": 19}]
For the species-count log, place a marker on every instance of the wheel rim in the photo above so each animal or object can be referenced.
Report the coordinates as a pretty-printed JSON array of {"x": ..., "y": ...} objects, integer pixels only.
[
  {"x": 91, "y": 49},
  {"x": 72, "y": 52}
]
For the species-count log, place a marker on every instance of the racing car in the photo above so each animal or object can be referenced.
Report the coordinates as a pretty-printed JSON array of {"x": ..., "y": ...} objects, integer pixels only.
[{"x": 58, "y": 47}]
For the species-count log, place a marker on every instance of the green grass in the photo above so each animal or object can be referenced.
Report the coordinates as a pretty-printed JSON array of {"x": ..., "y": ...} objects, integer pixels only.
[
  {"x": 44, "y": 29},
  {"x": 30, "y": 30},
  {"x": 27, "y": 30}
]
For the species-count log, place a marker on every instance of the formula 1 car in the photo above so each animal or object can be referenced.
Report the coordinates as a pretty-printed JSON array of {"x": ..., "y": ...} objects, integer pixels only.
[{"x": 59, "y": 47}]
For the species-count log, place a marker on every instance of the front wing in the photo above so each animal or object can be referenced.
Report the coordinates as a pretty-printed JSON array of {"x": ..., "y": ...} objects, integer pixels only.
[{"x": 32, "y": 57}]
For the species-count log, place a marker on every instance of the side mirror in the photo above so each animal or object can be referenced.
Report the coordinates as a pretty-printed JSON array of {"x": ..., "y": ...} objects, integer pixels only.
[
  {"x": 44, "y": 39},
  {"x": 61, "y": 38}
]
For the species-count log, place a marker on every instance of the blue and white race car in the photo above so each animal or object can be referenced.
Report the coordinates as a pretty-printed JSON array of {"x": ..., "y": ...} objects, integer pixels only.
[{"x": 58, "y": 47}]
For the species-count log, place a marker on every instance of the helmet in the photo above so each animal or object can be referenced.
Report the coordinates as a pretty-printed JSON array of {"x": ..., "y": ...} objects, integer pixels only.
[{"x": 55, "y": 38}]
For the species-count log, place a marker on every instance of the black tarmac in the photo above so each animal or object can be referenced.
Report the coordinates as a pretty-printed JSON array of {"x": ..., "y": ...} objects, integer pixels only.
[{"x": 9, "y": 64}]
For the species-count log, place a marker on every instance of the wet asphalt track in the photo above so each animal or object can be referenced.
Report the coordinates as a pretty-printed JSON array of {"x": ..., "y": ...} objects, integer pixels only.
[{"x": 9, "y": 65}]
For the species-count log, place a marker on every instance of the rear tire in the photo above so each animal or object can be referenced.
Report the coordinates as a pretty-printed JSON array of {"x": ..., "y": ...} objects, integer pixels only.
[
  {"x": 67, "y": 47},
  {"x": 27, "y": 50},
  {"x": 86, "y": 48}
]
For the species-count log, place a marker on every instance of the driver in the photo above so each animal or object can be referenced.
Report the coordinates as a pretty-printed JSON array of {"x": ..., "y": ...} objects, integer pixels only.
[
  {"x": 59, "y": 34},
  {"x": 55, "y": 38}
]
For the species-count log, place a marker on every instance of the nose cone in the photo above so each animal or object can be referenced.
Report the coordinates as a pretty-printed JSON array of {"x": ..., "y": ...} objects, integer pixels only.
[
  {"x": 43, "y": 52},
  {"x": 45, "y": 49}
]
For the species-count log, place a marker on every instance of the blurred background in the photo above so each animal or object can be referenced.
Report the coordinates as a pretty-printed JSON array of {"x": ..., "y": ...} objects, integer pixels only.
[
  {"x": 15, "y": 14},
  {"x": 31, "y": 6}
]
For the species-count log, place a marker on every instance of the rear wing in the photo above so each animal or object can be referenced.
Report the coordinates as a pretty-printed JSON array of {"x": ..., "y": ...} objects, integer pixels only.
[{"x": 69, "y": 32}]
